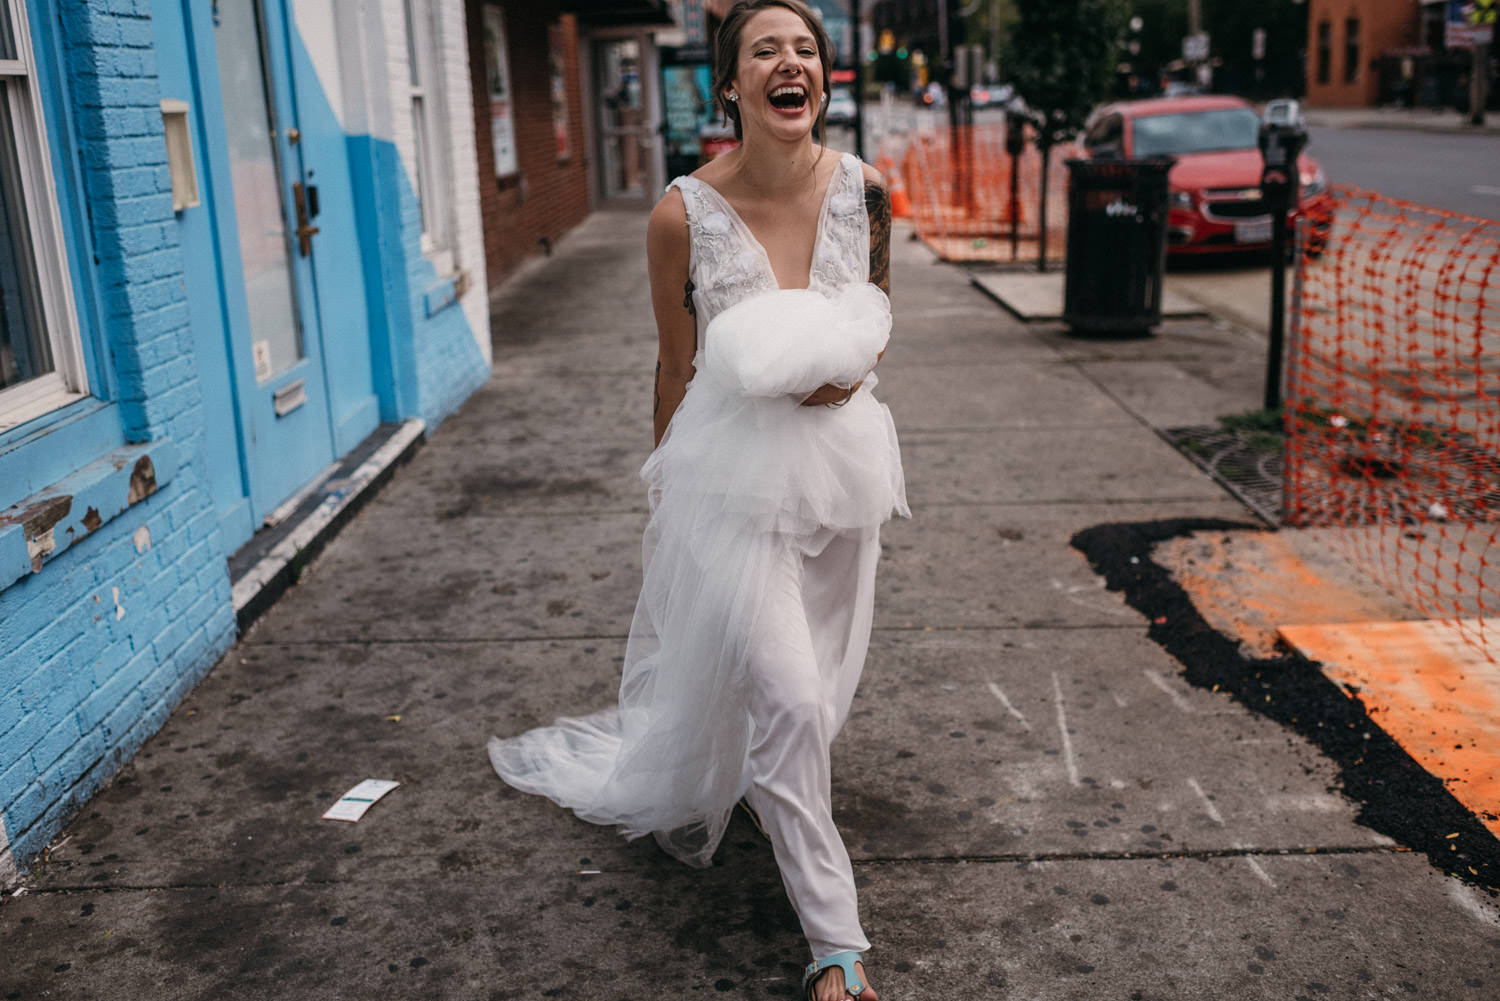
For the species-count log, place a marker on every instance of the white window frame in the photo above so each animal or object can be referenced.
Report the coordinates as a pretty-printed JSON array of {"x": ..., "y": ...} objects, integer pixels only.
[
  {"x": 434, "y": 180},
  {"x": 68, "y": 380}
]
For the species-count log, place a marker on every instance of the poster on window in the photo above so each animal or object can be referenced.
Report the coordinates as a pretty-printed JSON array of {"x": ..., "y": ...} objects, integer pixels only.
[
  {"x": 558, "y": 62},
  {"x": 502, "y": 100}
]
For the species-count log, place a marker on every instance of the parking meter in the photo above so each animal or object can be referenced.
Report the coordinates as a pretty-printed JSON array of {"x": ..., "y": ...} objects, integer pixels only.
[
  {"x": 1015, "y": 131},
  {"x": 1281, "y": 145},
  {"x": 1015, "y": 143}
]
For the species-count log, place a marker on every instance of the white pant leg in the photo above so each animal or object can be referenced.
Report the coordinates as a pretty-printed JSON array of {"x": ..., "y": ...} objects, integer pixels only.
[{"x": 789, "y": 765}]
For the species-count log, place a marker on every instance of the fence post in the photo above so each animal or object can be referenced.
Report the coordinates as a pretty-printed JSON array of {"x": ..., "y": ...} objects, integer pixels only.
[{"x": 1044, "y": 146}]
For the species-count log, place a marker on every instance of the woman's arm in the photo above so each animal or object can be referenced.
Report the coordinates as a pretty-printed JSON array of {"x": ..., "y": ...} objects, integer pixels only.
[
  {"x": 878, "y": 208},
  {"x": 667, "y": 251}
]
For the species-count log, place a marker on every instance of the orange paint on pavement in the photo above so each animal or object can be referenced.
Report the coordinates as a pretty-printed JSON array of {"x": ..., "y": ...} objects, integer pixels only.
[
  {"x": 1245, "y": 584},
  {"x": 1433, "y": 692}
]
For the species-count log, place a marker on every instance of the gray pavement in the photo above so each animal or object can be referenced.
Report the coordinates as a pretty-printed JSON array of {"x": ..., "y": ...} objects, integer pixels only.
[{"x": 1039, "y": 805}]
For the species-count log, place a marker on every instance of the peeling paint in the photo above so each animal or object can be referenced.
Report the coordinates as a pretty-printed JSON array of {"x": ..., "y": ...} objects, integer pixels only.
[
  {"x": 9, "y": 874},
  {"x": 119, "y": 608},
  {"x": 38, "y": 517},
  {"x": 141, "y": 539},
  {"x": 91, "y": 519},
  {"x": 142, "y": 480}
]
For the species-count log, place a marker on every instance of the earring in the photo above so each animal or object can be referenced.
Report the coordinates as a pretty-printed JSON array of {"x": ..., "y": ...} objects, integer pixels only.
[{"x": 734, "y": 98}]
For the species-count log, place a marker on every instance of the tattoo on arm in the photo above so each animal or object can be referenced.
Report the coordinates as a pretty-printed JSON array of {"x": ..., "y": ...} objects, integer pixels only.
[
  {"x": 878, "y": 208},
  {"x": 656, "y": 392},
  {"x": 687, "y": 298}
]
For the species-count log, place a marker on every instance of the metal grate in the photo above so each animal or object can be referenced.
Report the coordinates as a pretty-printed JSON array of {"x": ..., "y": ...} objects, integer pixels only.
[{"x": 1246, "y": 462}]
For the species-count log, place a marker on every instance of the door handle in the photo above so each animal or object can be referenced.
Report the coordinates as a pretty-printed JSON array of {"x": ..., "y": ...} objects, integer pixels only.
[{"x": 305, "y": 229}]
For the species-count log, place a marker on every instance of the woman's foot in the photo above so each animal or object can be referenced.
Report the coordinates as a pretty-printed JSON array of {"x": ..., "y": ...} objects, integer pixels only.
[{"x": 830, "y": 985}]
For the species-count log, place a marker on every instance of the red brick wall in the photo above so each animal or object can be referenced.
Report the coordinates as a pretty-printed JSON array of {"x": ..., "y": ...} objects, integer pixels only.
[
  {"x": 1383, "y": 24},
  {"x": 548, "y": 196}
]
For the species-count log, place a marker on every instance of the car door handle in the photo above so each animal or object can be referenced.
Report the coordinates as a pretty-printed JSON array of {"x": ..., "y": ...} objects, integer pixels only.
[{"x": 305, "y": 229}]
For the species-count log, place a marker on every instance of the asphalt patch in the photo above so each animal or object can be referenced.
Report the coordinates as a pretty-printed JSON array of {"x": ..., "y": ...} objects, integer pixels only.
[{"x": 1396, "y": 796}]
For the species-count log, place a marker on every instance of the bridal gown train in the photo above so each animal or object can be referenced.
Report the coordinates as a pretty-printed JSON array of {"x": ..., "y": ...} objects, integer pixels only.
[{"x": 759, "y": 556}]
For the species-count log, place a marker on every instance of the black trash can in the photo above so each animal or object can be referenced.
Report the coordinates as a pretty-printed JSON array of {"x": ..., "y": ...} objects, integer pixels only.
[{"x": 1117, "y": 244}]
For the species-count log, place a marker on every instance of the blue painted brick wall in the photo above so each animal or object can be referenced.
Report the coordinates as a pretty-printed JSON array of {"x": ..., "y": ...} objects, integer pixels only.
[
  {"x": 450, "y": 365},
  {"x": 111, "y": 634}
]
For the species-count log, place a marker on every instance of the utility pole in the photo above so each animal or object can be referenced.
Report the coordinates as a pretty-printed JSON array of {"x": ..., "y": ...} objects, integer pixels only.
[
  {"x": 1482, "y": 15},
  {"x": 858, "y": 52},
  {"x": 1479, "y": 81}
]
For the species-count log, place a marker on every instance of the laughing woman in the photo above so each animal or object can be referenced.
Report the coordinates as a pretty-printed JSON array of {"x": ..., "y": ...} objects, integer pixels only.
[{"x": 775, "y": 467}]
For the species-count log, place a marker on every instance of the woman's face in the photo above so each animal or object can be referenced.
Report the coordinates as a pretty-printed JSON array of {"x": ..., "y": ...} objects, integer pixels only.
[{"x": 779, "y": 77}]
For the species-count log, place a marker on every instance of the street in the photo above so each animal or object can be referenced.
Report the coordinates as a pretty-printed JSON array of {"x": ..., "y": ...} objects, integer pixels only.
[{"x": 1456, "y": 173}]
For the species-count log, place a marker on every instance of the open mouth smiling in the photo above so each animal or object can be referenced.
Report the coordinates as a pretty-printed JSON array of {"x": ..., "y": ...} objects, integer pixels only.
[{"x": 789, "y": 98}]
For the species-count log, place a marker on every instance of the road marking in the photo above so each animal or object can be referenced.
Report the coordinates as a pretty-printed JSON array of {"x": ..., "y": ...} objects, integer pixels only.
[
  {"x": 1256, "y": 868},
  {"x": 1208, "y": 804},
  {"x": 1486, "y": 189},
  {"x": 997, "y": 693},
  {"x": 1172, "y": 693},
  {"x": 1070, "y": 593},
  {"x": 1062, "y": 728},
  {"x": 1467, "y": 901}
]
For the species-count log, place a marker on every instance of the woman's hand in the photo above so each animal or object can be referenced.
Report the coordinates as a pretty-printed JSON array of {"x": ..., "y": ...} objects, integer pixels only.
[{"x": 830, "y": 394}]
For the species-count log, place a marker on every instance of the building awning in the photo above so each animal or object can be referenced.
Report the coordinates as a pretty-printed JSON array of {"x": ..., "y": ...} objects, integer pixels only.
[{"x": 618, "y": 13}]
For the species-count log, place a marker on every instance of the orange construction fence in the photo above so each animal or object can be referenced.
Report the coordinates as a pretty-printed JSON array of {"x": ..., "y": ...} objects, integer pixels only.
[
  {"x": 1392, "y": 411},
  {"x": 958, "y": 185}
]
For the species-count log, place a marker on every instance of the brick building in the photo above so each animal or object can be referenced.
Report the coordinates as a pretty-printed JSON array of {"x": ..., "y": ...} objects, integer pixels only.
[
  {"x": 564, "y": 116},
  {"x": 1346, "y": 41},
  {"x": 237, "y": 241}
]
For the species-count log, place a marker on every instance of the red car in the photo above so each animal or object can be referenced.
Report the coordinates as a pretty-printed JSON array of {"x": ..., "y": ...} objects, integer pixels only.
[{"x": 1215, "y": 202}]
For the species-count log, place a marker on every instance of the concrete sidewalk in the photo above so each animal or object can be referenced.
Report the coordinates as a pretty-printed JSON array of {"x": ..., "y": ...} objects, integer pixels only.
[{"x": 1042, "y": 803}]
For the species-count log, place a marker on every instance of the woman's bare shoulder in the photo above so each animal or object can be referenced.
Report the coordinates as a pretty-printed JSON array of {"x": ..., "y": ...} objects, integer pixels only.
[
  {"x": 671, "y": 210},
  {"x": 872, "y": 176},
  {"x": 667, "y": 229}
]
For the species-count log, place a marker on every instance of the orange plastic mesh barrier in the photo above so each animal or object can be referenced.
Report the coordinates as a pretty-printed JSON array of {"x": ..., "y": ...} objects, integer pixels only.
[
  {"x": 958, "y": 184},
  {"x": 1393, "y": 401}
]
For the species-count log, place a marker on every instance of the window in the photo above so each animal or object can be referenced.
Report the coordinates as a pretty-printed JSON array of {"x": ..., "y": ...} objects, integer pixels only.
[
  {"x": 41, "y": 364},
  {"x": 431, "y": 181},
  {"x": 1351, "y": 50},
  {"x": 1325, "y": 50},
  {"x": 1196, "y": 132}
]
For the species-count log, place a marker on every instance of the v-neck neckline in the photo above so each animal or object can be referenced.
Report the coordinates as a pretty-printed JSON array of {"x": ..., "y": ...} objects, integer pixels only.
[{"x": 765, "y": 256}]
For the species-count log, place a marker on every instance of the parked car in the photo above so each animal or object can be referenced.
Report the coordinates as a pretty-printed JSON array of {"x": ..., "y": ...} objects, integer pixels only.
[
  {"x": 841, "y": 108},
  {"x": 1216, "y": 204}
]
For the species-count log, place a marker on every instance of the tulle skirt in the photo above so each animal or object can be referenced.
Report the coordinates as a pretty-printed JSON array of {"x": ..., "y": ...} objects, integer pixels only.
[{"x": 737, "y": 484}]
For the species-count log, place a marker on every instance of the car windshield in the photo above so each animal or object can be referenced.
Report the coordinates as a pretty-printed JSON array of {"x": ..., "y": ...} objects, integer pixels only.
[{"x": 1196, "y": 132}]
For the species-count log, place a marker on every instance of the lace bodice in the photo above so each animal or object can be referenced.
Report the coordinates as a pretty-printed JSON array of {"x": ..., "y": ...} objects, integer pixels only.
[{"x": 727, "y": 264}]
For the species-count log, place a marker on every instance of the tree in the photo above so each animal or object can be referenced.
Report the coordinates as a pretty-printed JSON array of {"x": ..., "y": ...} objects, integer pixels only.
[{"x": 1061, "y": 57}]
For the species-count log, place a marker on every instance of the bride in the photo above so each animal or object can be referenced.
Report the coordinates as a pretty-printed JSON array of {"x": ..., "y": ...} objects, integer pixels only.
[{"x": 775, "y": 467}]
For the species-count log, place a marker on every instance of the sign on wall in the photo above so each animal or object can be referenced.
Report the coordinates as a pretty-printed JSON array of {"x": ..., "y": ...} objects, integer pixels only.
[
  {"x": 557, "y": 61},
  {"x": 502, "y": 98},
  {"x": 1470, "y": 23}
]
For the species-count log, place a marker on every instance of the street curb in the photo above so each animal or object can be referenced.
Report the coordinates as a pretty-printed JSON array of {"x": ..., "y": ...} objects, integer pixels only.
[{"x": 316, "y": 519}]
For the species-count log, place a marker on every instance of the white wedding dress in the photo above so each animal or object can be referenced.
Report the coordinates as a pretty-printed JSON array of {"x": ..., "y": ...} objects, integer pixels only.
[{"x": 759, "y": 570}]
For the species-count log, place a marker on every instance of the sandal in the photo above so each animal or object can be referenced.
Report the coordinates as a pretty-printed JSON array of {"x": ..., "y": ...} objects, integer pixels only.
[{"x": 845, "y": 961}]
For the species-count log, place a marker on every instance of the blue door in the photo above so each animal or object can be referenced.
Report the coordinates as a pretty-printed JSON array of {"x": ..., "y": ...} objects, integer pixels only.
[
  {"x": 273, "y": 264},
  {"x": 267, "y": 216}
]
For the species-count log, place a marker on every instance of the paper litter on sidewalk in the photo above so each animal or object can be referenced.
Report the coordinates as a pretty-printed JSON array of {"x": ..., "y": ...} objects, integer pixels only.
[{"x": 356, "y": 801}]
